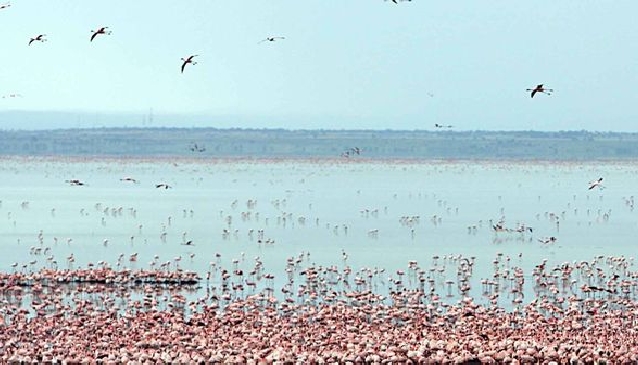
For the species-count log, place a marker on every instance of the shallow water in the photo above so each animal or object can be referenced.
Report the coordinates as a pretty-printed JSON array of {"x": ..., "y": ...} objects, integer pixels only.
[{"x": 330, "y": 209}]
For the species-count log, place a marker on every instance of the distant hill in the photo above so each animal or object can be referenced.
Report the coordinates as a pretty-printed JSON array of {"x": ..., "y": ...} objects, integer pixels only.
[{"x": 257, "y": 143}]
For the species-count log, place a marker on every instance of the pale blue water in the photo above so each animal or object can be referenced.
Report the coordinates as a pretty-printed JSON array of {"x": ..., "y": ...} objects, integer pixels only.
[{"x": 328, "y": 194}]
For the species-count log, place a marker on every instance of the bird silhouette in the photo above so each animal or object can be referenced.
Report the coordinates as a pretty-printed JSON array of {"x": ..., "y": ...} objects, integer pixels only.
[
  {"x": 540, "y": 89},
  {"x": 271, "y": 39},
  {"x": 39, "y": 38},
  {"x": 596, "y": 183},
  {"x": 102, "y": 30},
  {"x": 188, "y": 60}
]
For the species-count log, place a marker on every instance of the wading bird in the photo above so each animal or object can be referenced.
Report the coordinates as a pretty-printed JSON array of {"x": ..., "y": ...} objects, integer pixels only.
[
  {"x": 270, "y": 39},
  {"x": 596, "y": 183},
  {"x": 195, "y": 148},
  {"x": 75, "y": 182},
  {"x": 39, "y": 38},
  {"x": 188, "y": 60},
  {"x": 11, "y": 96},
  {"x": 5, "y": 5},
  {"x": 540, "y": 89},
  {"x": 102, "y": 30}
]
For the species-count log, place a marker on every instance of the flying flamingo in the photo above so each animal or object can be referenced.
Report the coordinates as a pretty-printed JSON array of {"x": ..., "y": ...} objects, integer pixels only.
[
  {"x": 12, "y": 96},
  {"x": 540, "y": 89},
  {"x": 39, "y": 38},
  {"x": 102, "y": 30},
  {"x": 188, "y": 60},
  {"x": 75, "y": 182},
  {"x": 270, "y": 39},
  {"x": 5, "y": 5},
  {"x": 596, "y": 183}
]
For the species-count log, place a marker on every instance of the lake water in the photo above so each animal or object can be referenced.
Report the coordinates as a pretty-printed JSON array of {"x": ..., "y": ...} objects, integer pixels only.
[{"x": 344, "y": 212}]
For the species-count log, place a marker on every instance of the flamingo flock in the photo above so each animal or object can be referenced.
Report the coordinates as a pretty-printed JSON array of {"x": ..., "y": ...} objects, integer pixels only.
[
  {"x": 301, "y": 311},
  {"x": 104, "y": 30},
  {"x": 230, "y": 277}
]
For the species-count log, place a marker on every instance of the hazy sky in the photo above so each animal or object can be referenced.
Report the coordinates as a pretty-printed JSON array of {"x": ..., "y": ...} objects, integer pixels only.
[{"x": 351, "y": 64}]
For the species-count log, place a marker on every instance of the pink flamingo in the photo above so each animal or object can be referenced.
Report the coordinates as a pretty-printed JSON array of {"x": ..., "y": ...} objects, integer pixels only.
[
  {"x": 271, "y": 39},
  {"x": 39, "y": 38},
  {"x": 102, "y": 30},
  {"x": 188, "y": 60},
  {"x": 12, "y": 96},
  {"x": 540, "y": 89},
  {"x": 596, "y": 183}
]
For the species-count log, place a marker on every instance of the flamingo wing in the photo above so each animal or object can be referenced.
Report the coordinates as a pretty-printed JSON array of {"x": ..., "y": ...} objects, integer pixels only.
[{"x": 94, "y": 35}]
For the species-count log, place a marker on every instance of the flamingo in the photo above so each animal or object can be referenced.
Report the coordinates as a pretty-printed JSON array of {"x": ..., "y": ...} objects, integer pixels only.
[
  {"x": 75, "y": 182},
  {"x": 12, "y": 96},
  {"x": 102, "y": 30},
  {"x": 270, "y": 39},
  {"x": 5, "y": 5},
  {"x": 540, "y": 89},
  {"x": 196, "y": 148},
  {"x": 188, "y": 60},
  {"x": 163, "y": 185},
  {"x": 596, "y": 183},
  {"x": 39, "y": 38}
]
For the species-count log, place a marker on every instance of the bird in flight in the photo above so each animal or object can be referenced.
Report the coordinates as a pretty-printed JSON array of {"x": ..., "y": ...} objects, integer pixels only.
[
  {"x": 596, "y": 183},
  {"x": 437, "y": 125},
  {"x": 102, "y": 30},
  {"x": 5, "y": 5},
  {"x": 551, "y": 239},
  {"x": 188, "y": 60},
  {"x": 11, "y": 96},
  {"x": 128, "y": 178},
  {"x": 270, "y": 39},
  {"x": 75, "y": 182},
  {"x": 165, "y": 186},
  {"x": 540, "y": 89},
  {"x": 397, "y": 1},
  {"x": 39, "y": 38}
]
